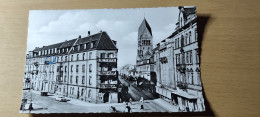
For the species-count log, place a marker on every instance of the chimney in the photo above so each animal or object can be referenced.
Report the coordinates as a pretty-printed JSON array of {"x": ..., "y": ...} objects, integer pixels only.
[
  {"x": 88, "y": 33},
  {"x": 79, "y": 36}
]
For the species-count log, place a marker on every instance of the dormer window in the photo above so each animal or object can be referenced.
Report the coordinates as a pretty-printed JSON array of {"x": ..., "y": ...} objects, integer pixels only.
[
  {"x": 78, "y": 47},
  {"x": 85, "y": 46},
  {"x": 91, "y": 45}
]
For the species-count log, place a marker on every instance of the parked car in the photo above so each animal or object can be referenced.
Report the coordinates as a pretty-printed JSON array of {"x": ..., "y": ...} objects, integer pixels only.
[{"x": 61, "y": 99}]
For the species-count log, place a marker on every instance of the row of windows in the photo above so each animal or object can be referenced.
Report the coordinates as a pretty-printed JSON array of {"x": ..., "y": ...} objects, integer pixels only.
[
  {"x": 57, "y": 51},
  {"x": 146, "y": 42},
  {"x": 71, "y": 92},
  {"x": 77, "y": 80},
  {"x": 77, "y": 68},
  {"x": 190, "y": 79},
  {"x": 185, "y": 39},
  {"x": 65, "y": 58},
  {"x": 180, "y": 58}
]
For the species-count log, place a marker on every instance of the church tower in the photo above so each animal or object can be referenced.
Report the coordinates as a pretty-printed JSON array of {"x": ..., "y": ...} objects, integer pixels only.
[{"x": 145, "y": 42}]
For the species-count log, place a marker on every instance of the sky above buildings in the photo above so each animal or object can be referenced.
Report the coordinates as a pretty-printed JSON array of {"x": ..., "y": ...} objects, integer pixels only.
[{"x": 53, "y": 26}]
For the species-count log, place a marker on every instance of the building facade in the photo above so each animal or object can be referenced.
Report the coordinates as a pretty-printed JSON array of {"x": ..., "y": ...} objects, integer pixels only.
[
  {"x": 82, "y": 68},
  {"x": 177, "y": 64},
  {"x": 144, "y": 59}
]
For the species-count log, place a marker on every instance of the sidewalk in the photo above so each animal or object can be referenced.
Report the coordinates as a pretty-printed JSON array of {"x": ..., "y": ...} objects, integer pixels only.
[{"x": 82, "y": 103}]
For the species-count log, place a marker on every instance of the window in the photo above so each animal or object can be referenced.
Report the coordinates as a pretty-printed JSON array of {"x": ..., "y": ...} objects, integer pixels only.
[
  {"x": 77, "y": 68},
  {"x": 83, "y": 56},
  {"x": 77, "y": 56},
  {"x": 191, "y": 57},
  {"x": 90, "y": 67},
  {"x": 82, "y": 92},
  {"x": 102, "y": 55},
  {"x": 187, "y": 57},
  {"x": 65, "y": 68},
  {"x": 198, "y": 75},
  {"x": 83, "y": 79},
  {"x": 185, "y": 39},
  {"x": 61, "y": 59},
  {"x": 89, "y": 80},
  {"x": 65, "y": 78},
  {"x": 78, "y": 47},
  {"x": 57, "y": 59},
  {"x": 77, "y": 79},
  {"x": 192, "y": 80},
  {"x": 83, "y": 68},
  {"x": 85, "y": 46},
  {"x": 71, "y": 68},
  {"x": 91, "y": 45},
  {"x": 70, "y": 79},
  {"x": 190, "y": 36},
  {"x": 71, "y": 57},
  {"x": 90, "y": 55},
  {"x": 111, "y": 55},
  {"x": 89, "y": 93},
  {"x": 196, "y": 36},
  {"x": 65, "y": 58},
  {"x": 197, "y": 56}
]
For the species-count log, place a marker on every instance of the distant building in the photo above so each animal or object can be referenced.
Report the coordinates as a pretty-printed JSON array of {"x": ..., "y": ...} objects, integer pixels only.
[
  {"x": 82, "y": 68},
  {"x": 144, "y": 59},
  {"x": 128, "y": 70},
  {"x": 177, "y": 64}
]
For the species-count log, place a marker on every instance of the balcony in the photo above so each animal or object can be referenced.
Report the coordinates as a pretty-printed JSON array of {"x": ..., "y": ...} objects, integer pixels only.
[
  {"x": 108, "y": 86},
  {"x": 107, "y": 73},
  {"x": 108, "y": 60},
  {"x": 182, "y": 85},
  {"x": 46, "y": 62},
  {"x": 163, "y": 60},
  {"x": 195, "y": 87},
  {"x": 181, "y": 68},
  {"x": 59, "y": 82}
]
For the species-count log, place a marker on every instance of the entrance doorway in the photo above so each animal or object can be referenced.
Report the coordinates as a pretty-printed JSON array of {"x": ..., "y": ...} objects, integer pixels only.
[{"x": 106, "y": 97}]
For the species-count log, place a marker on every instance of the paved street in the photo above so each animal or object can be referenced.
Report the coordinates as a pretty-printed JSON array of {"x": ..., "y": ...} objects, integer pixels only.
[
  {"x": 135, "y": 92},
  {"x": 47, "y": 104}
]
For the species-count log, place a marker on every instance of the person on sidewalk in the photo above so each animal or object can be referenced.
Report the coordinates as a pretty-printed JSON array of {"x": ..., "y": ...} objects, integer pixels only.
[
  {"x": 30, "y": 108},
  {"x": 129, "y": 109}
]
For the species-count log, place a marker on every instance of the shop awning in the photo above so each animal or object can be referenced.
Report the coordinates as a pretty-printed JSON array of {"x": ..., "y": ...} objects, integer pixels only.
[{"x": 184, "y": 94}]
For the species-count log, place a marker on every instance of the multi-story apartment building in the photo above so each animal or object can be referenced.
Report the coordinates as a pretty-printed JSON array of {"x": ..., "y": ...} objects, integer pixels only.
[
  {"x": 144, "y": 59},
  {"x": 82, "y": 68},
  {"x": 177, "y": 64}
]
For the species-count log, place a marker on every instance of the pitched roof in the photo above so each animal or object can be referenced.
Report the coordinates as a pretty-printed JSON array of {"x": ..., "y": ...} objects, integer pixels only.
[
  {"x": 144, "y": 25},
  {"x": 105, "y": 43},
  {"x": 99, "y": 41},
  {"x": 52, "y": 46}
]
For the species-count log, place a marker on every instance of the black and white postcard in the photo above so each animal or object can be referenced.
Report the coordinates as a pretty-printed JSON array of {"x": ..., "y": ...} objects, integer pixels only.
[{"x": 112, "y": 61}]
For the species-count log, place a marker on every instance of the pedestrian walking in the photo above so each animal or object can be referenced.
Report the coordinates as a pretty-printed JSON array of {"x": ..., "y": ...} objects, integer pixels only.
[
  {"x": 142, "y": 107},
  {"x": 129, "y": 109},
  {"x": 30, "y": 108}
]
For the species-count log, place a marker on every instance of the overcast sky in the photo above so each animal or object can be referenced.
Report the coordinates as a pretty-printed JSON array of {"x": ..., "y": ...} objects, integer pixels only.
[{"x": 53, "y": 26}]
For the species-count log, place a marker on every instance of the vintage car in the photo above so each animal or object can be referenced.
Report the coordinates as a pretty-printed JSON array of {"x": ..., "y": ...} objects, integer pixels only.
[{"x": 61, "y": 99}]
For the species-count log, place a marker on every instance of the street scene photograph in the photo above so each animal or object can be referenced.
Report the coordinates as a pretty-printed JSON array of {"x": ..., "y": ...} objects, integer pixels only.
[{"x": 112, "y": 61}]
